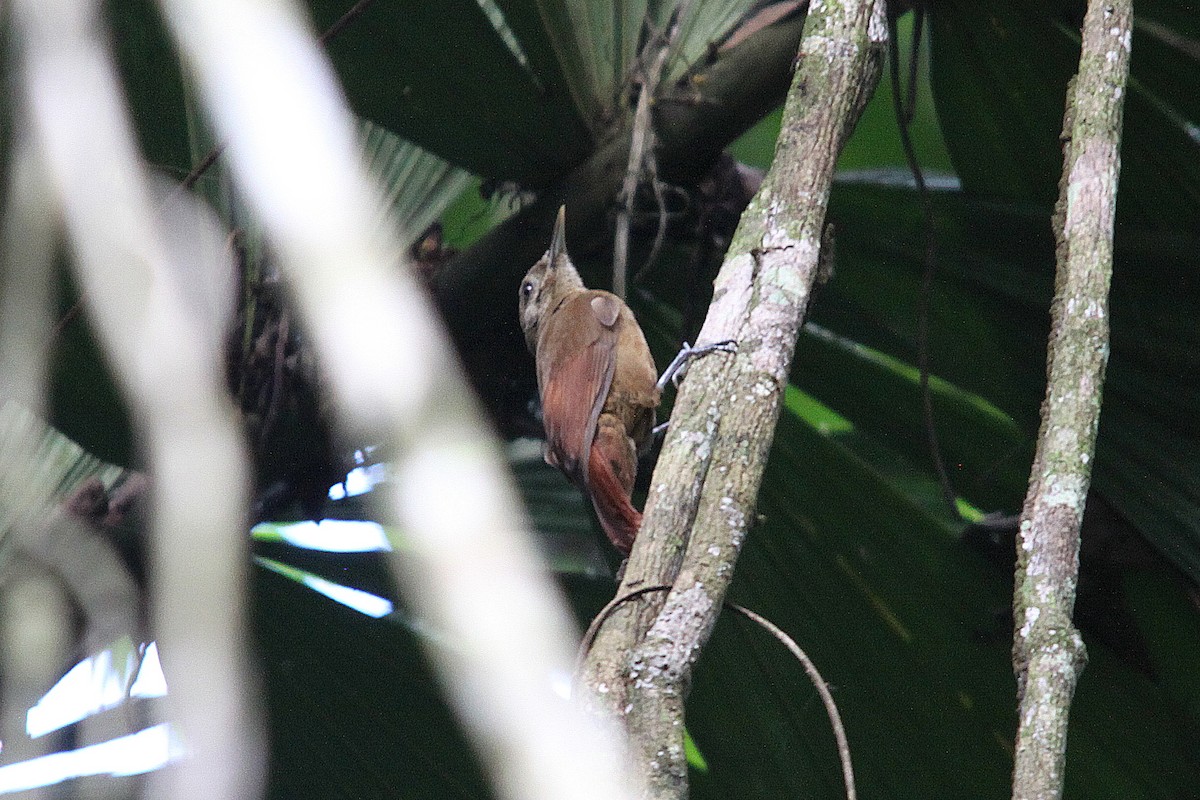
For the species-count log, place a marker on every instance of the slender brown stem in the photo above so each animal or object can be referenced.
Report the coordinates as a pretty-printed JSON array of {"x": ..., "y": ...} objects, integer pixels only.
[
  {"x": 814, "y": 675},
  {"x": 831, "y": 709},
  {"x": 929, "y": 256}
]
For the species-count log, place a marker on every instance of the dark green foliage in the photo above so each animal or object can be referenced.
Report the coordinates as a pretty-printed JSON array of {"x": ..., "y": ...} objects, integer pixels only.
[{"x": 856, "y": 555}]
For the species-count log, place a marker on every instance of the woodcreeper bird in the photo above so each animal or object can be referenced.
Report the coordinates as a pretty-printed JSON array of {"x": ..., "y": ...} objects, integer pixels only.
[{"x": 597, "y": 381}]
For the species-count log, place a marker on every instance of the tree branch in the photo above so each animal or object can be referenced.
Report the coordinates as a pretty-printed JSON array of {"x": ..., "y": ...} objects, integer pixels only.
[
  {"x": 703, "y": 497},
  {"x": 1048, "y": 653}
]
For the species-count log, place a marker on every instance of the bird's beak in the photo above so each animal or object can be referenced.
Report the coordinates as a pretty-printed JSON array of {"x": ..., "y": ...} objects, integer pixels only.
[{"x": 558, "y": 242}]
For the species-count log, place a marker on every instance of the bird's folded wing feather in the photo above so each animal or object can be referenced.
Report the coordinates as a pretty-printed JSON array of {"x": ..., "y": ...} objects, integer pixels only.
[{"x": 576, "y": 383}]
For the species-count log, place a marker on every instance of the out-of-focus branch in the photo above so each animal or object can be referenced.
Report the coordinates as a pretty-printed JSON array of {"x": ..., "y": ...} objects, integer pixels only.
[
  {"x": 468, "y": 565},
  {"x": 1048, "y": 653},
  {"x": 169, "y": 365},
  {"x": 331, "y": 33},
  {"x": 26, "y": 256},
  {"x": 702, "y": 501}
]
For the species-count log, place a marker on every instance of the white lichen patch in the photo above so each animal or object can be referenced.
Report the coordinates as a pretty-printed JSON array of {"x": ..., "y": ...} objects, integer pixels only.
[
  {"x": 1045, "y": 589},
  {"x": 877, "y": 28},
  {"x": 676, "y": 632},
  {"x": 1066, "y": 491},
  {"x": 731, "y": 298},
  {"x": 698, "y": 443},
  {"x": 734, "y": 518},
  {"x": 1031, "y": 617}
]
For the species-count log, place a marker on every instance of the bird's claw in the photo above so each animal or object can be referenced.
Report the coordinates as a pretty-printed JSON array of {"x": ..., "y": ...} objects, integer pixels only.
[{"x": 678, "y": 366}]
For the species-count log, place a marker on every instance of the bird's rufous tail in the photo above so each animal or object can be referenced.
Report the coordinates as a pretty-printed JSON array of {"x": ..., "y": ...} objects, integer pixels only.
[{"x": 612, "y": 465}]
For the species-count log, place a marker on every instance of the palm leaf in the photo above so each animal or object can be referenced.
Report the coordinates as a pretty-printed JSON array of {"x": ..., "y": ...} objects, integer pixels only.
[
  {"x": 418, "y": 186},
  {"x": 39, "y": 466},
  {"x": 702, "y": 25}
]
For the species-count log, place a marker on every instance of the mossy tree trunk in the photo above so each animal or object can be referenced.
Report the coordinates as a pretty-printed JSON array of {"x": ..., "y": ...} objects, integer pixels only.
[{"x": 702, "y": 501}]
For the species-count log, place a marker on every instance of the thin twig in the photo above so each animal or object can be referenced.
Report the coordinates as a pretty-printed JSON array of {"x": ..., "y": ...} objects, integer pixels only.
[
  {"x": 190, "y": 180},
  {"x": 664, "y": 216},
  {"x": 660, "y": 200},
  {"x": 589, "y": 635},
  {"x": 334, "y": 30},
  {"x": 924, "y": 298},
  {"x": 279, "y": 371},
  {"x": 641, "y": 143},
  {"x": 835, "y": 718},
  {"x": 914, "y": 64},
  {"x": 814, "y": 675},
  {"x": 641, "y": 150}
]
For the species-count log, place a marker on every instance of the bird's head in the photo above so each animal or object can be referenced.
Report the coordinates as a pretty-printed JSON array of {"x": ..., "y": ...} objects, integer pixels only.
[{"x": 548, "y": 281}]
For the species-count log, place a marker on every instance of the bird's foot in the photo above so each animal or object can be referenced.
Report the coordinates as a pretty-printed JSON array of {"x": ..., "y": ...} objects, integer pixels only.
[{"x": 678, "y": 367}]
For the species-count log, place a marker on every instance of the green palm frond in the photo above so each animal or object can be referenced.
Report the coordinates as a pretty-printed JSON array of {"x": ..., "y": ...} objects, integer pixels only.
[
  {"x": 417, "y": 185},
  {"x": 39, "y": 466},
  {"x": 702, "y": 24},
  {"x": 598, "y": 43}
]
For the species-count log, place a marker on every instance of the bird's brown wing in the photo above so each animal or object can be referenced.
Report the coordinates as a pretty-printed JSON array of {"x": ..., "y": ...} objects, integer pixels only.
[{"x": 575, "y": 385}]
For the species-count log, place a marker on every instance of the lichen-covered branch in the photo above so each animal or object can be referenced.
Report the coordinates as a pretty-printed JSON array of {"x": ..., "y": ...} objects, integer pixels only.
[
  {"x": 705, "y": 488},
  {"x": 1048, "y": 653}
]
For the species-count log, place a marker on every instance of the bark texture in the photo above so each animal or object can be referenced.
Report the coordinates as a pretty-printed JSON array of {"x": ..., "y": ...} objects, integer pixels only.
[
  {"x": 702, "y": 501},
  {"x": 1048, "y": 653}
]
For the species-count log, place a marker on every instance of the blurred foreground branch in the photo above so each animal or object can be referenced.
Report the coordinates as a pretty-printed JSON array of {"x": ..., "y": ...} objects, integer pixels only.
[
  {"x": 1048, "y": 653},
  {"x": 153, "y": 284},
  {"x": 468, "y": 565}
]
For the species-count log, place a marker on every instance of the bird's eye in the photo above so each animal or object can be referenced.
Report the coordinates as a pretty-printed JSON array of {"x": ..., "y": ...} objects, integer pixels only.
[{"x": 527, "y": 288}]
